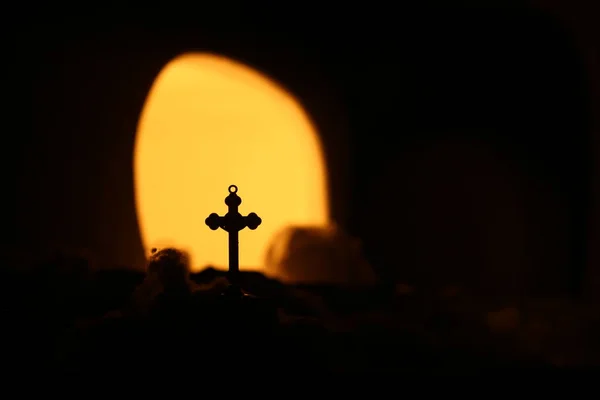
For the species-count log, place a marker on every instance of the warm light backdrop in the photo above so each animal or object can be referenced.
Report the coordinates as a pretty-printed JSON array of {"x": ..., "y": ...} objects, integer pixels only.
[{"x": 210, "y": 122}]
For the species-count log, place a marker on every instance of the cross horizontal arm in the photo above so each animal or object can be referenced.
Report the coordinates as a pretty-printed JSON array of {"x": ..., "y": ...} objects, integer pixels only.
[
  {"x": 233, "y": 222},
  {"x": 214, "y": 221},
  {"x": 252, "y": 221}
]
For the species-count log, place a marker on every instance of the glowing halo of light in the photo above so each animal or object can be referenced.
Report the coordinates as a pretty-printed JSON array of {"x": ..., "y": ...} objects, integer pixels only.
[{"x": 207, "y": 122}]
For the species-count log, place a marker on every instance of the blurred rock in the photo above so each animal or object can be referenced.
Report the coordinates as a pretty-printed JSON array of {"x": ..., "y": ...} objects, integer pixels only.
[
  {"x": 168, "y": 272},
  {"x": 314, "y": 255}
]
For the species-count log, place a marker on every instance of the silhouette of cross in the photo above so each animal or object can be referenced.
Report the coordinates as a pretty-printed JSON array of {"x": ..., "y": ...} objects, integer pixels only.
[{"x": 233, "y": 222}]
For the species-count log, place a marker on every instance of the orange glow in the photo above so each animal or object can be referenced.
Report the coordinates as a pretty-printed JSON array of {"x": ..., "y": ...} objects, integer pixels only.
[{"x": 208, "y": 123}]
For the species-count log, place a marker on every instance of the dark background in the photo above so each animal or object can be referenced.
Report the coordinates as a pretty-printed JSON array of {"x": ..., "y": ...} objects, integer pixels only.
[{"x": 460, "y": 140}]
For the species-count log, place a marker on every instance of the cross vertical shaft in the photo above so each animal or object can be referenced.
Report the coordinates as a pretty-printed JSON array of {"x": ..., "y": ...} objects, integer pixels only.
[
  {"x": 232, "y": 223},
  {"x": 234, "y": 257}
]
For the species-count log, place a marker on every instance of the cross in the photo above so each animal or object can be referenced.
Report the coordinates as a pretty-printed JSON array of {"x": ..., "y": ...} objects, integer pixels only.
[{"x": 233, "y": 222}]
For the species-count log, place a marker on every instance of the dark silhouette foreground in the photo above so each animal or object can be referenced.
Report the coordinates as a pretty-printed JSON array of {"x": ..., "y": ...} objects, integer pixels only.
[{"x": 67, "y": 318}]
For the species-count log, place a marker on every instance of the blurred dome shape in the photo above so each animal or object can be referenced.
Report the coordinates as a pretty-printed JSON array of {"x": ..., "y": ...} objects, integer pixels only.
[
  {"x": 318, "y": 255},
  {"x": 208, "y": 122}
]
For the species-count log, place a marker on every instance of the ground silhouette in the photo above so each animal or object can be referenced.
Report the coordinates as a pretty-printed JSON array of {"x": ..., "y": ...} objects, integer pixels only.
[{"x": 75, "y": 319}]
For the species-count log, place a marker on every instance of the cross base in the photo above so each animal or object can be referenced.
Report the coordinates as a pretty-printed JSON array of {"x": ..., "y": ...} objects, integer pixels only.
[{"x": 234, "y": 291}]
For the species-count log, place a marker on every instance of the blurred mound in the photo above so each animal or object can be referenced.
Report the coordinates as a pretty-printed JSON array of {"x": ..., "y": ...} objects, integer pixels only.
[{"x": 315, "y": 255}]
